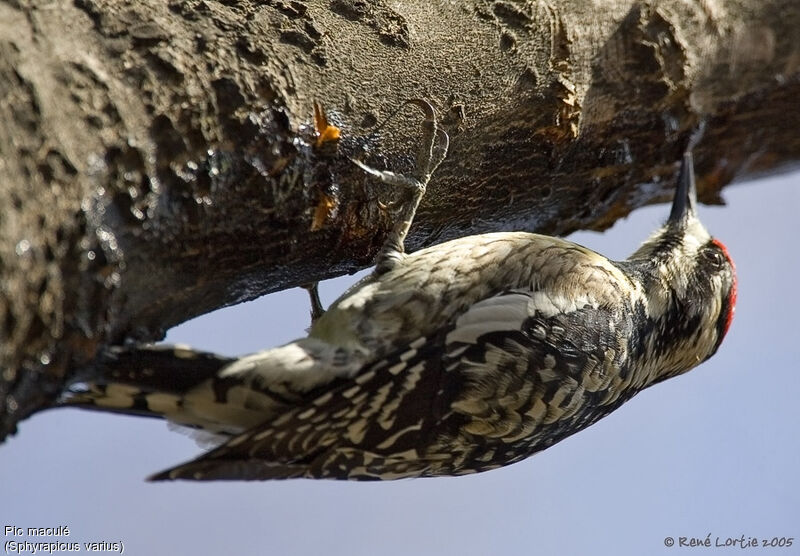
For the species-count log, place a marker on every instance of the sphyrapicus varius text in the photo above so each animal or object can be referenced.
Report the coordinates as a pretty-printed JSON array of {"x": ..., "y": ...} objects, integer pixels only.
[{"x": 459, "y": 358}]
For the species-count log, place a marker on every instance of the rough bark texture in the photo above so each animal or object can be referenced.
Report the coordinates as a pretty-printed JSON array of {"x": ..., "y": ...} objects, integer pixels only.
[{"x": 157, "y": 159}]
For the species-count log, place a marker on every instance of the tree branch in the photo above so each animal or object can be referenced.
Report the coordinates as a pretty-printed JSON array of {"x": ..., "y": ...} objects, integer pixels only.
[{"x": 157, "y": 160}]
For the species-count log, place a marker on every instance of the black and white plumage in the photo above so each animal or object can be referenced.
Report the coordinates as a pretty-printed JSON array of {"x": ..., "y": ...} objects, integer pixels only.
[{"x": 459, "y": 358}]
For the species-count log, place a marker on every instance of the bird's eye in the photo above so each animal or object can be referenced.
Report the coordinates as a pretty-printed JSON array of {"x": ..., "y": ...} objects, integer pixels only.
[{"x": 714, "y": 257}]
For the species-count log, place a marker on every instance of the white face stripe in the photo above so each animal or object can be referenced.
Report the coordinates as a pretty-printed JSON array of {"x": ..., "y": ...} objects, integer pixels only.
[
  {"x": 671, "y": 270},
  {"x": 695, "y": 237}
]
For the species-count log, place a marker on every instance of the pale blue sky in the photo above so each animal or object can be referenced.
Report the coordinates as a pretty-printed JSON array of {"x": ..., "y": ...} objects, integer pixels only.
[{"x": 714, "y": 451}]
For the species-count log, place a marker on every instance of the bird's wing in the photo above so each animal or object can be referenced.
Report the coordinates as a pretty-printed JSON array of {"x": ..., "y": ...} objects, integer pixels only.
[{"x": 510, "y": 365}]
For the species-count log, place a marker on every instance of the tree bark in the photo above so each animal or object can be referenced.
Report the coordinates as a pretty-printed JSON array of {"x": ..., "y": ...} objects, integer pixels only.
[{"x": 158, "y": 160}]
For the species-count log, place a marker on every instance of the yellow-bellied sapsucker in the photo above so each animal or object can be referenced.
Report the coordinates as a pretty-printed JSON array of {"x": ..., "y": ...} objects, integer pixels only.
[{"x": 459, "y": 358}]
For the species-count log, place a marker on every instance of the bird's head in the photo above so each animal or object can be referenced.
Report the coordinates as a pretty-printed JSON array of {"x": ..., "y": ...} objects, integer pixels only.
[{"x": 690, "y": 284}]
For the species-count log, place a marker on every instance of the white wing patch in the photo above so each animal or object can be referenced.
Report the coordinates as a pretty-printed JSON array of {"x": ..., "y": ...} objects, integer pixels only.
[
  {"x": 509, "y": 311},
  {"x": 503, "y": 312},
  {"x": 298, "y": 366}
]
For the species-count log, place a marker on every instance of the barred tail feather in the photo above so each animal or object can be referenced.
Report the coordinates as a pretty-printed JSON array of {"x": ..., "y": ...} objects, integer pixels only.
[{"x": 147, "y": 381}]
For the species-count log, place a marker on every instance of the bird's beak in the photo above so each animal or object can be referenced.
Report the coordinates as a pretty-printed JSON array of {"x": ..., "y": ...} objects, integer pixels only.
[{"x": 683, "y": 206}]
